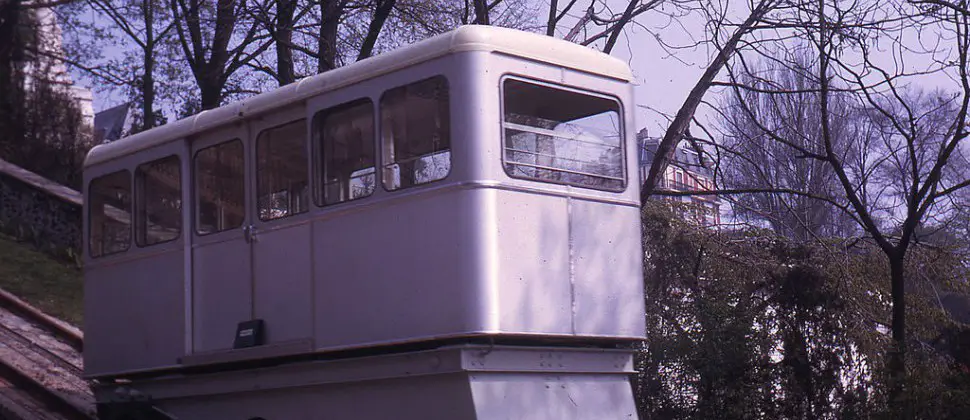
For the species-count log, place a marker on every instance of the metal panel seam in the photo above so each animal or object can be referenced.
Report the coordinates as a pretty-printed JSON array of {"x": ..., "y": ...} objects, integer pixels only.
[
  {"x": 572, "y": 263},
  {"x": 491, "y": 244},
  {"x": 188, "y": 297}
]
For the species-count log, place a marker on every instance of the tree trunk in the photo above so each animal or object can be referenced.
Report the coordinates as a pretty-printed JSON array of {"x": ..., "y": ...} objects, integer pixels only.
[
  {"x": 481, "y": 12},
  {"x": 211, "y": 94},
  {"x": 9, "y": 22},
  {"x": 213, "y": 78},
  {"x": 677, "y": 128},
  {"x": 330, "y": 11},
  {"x": 11, "y": 87},
  {"x": 284, "y": 36},
  {"x": 148, "y": 79},
  {"x": 618, "y": 26},
  {"x": 212, "y": 73},
  {"x": 897, "y": 357},
  {"x": 384, "y": 8},
  {"x": 551, "y": 23},
  {"x": 148, "y": 92},
  {"x": 9, "y": 43}
]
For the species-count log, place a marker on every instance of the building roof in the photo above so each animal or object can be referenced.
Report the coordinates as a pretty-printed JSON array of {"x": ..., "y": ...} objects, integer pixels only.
[
  {"x": 466, "y": 38},
  {"x": 109, "y": 124},
  {"x": 685, "y": 158}
]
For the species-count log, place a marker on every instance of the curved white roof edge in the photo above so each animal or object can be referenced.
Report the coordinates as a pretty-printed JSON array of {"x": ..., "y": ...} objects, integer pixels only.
[{"x": 466, "y": 38}]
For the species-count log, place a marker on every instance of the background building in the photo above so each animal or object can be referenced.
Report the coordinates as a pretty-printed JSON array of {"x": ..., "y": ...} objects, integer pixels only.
[
  {"x": 47, "y": 65},
  {"x": 687, "y": 172}
]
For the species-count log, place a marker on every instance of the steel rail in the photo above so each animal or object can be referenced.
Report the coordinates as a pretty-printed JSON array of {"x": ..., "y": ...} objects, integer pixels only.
[
  {"x": 61, "y": 330},
  {"x": 50, "y": 398},
  {"x": 56, "y": 358}
]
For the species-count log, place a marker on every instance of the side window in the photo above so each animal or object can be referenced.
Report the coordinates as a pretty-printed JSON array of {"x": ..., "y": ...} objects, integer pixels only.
[
  {"x": 220, "y": 187},
  {"x": 416, "y": 133},
  {"x": 561, "y": 136},
  {"x": 281, "y": 171},
  {"x": 109, "y": 202},
  {"x": 344, "y": 136},
  {"x": 158, "y": 204}
]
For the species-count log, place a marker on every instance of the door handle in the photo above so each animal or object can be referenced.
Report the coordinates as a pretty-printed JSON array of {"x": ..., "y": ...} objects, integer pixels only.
[{"x": 249, "y": 233}]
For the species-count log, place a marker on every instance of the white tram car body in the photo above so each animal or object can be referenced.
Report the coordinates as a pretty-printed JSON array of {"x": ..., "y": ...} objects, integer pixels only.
[{"x": 480, "y": 183}]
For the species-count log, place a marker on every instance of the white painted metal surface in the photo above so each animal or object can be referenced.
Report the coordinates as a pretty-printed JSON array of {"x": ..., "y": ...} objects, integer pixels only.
[
  {"x": 455, "y": 383},
  {"x": 477, "y": 253}
]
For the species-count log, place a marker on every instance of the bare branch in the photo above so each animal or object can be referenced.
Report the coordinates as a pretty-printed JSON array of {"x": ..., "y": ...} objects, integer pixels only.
[{"x": 677, "y": 128}]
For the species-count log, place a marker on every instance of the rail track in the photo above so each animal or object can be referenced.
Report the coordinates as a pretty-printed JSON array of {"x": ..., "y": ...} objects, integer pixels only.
[{"x": 40, "y": 366}]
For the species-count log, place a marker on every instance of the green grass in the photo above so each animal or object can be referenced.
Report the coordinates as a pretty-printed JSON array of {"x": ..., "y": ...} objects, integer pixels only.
[{"x": 50, "y": 285}]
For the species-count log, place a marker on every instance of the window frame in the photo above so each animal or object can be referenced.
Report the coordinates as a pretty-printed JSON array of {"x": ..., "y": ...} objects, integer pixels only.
[
  {"x": 621, "y": 114},
  {"x": 317, "y": 152},
  {"x": 379, "y": 135},
  {"x": 256, "y": 169},
  {"x": 137, "y": 199},
  {"x": 89, "y": 209},
  {"x": 197, "y": 204}
]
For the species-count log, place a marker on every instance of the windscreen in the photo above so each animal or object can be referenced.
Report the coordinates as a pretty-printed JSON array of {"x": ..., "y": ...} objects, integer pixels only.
[{"x": 562, "y": 136}]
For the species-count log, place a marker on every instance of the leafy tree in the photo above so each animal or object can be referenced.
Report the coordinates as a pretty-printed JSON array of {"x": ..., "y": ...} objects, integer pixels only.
[
  {"x": 749, "y": 324},
  {"x": 42, "y": 126}
]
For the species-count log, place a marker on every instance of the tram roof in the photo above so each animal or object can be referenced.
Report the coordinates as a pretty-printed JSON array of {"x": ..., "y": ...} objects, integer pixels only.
[{"x": 466, "y": 38}]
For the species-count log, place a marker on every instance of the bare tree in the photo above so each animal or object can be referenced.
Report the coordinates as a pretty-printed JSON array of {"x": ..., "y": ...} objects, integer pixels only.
[
  {"x": 381, "y": 13},
  {"x": 147, "y": 24},
  {"x": 283, "y": 38},
  {"x": 783, "y": 99},
  {"x": 216, "y": 41},
  {"x": 277, "y": 18},
  {"x": 899, "y": 172},
  {"x": 598, "y": 22},
  {"x": 678, "y": 127},
  {"x": 330, "y": 14},
  {"x": 41, "y": 125}
]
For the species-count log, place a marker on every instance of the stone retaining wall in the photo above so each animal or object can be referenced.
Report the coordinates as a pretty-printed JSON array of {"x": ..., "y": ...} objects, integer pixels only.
[{"x": 39, "y": 211}]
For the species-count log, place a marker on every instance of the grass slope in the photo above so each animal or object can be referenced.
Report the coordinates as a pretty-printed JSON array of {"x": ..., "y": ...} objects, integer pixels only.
[{"x": 50, "y": 285}]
